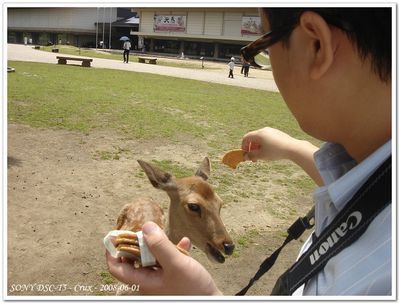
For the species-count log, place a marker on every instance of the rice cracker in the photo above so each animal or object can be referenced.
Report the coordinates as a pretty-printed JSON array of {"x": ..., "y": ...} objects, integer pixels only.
[{"x": 233, "y": 158}]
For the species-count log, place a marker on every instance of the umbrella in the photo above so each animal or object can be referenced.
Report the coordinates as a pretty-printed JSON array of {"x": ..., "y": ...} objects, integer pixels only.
[{"x": 124, "y": 38}]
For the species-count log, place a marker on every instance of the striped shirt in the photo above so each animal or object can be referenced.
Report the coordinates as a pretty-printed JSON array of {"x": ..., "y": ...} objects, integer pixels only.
[{"x": 363, "y": 268}]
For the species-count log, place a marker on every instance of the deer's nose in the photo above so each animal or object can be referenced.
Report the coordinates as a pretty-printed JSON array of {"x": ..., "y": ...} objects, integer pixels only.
[{"x": 228, "y": 248}]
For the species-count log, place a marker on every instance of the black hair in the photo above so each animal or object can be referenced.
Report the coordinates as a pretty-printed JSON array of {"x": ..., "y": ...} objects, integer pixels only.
[{"x": 369, "y": 29}]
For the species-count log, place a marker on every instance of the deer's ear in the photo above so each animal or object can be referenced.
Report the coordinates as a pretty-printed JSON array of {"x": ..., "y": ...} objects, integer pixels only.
[
  {"x": 158, "y": 178},
  {"x": 204, "y": 171}
]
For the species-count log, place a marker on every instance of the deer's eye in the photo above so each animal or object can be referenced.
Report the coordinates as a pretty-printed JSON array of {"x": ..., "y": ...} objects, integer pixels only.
[{"x": 194, "y": 207}]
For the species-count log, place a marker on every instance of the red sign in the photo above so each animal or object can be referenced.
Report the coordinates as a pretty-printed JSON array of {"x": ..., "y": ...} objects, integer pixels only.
[
  {"x": 170, "y": 23},
  {"x": 251, "y": 26}
]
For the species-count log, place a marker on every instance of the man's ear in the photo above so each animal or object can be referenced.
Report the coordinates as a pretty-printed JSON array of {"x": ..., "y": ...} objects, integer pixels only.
[{"x": 322, "y": 48}]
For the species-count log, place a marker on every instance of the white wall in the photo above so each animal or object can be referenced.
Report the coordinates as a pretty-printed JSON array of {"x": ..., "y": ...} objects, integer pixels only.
[
  {"x": 195, "y": 21},
  {"x": 232, "y": 24},
  {"x": 147, "y": 22},
  {"x": 72, "y": 19},
  {"x": 213, "y": 23}
]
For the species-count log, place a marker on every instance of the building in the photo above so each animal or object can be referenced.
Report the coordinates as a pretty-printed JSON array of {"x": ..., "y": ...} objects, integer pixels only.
[
  {"x": 82, "y": 27},
  {"x": 75, "y": 26},
  {"x": 216, "y": 33},
  {"x": 212, "y": 33}
]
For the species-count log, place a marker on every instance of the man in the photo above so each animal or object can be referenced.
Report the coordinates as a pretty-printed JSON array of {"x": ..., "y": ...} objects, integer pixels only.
[
  {"x": 231, "y": 65},
  {"x": 333, "y": 69},
  {"x": 126, "y": 50}
]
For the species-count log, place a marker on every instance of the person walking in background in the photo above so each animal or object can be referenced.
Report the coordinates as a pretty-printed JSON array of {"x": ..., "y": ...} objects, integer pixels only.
[
  {"x": 242, "y": 66},
  {"x": 126, "y": 50},
  {"x": 231, "y": 65},
  {"x": 246, "y": 66}
]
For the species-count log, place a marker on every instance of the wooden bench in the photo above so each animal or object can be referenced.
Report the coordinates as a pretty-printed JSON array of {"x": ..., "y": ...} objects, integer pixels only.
[
  {"x": 85, "y": 61},
  {"x": 150, "y": 60},
  {"x": 55, "y": 50}
]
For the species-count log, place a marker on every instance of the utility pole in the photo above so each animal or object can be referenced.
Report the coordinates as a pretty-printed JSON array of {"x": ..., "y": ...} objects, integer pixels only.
[
  {"x": 97, "y": 29},
  {"x": 110, "y": 21},
  {"x": 103, "y": 27}
]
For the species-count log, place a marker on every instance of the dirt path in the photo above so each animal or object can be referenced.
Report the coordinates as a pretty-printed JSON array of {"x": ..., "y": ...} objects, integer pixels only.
[
  {"x": 63, "y": 198},
  {"x": 258, "y": 79}
]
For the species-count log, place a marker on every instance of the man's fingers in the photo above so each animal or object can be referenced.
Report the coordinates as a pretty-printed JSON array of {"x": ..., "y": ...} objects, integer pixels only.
[
  {"x": 160, "y": 246},
  {"x": 119, "y": 269},
  {"x": 185, "y": 243},
  {"x": 251, "y": 148},
  {"x": 125, "y": 271}
]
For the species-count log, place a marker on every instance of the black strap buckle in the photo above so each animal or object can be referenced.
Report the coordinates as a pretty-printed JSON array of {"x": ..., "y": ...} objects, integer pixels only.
[{"x": 301, "y": 224}]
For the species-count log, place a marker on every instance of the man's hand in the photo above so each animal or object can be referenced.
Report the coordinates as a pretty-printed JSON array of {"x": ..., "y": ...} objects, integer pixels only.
[
  {"x": 272, "y": 144},
  {"x": 178, "y": 275},
  {"x": 267, "y": 144}
]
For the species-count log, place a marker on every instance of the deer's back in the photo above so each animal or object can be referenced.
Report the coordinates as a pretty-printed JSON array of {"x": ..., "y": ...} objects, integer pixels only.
[{"x": 135, "y": 214}]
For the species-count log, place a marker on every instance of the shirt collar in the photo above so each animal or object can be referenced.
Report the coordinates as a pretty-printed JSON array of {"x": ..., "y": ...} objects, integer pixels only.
[
  {"x": 342, "y": 177},
  {"x": 345, "y": 187}
]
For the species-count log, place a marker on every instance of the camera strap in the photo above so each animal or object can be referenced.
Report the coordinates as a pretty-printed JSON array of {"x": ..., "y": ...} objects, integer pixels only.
[
  {"x": 350, "y": 223},
  {"x": 294, "y": 232}
]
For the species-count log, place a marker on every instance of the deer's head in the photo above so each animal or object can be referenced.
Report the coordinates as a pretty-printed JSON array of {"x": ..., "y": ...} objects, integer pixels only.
[{"x": 194, "y": 210}]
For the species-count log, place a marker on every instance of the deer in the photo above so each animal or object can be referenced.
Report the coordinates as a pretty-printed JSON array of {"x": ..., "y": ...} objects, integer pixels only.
[{"x": 194, "y": 211}]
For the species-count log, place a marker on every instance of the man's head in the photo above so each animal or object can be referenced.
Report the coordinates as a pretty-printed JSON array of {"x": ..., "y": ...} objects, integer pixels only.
[
  {"x": 332, "y": 65},
  {"x": 369, "y": 29}
]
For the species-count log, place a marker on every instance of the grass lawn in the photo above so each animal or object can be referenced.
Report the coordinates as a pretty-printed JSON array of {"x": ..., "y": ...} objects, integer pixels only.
[
  {"x": 47, "y": 95},
  {"x": 89, "y": 52},
  {"x": 146, "y": 106}
]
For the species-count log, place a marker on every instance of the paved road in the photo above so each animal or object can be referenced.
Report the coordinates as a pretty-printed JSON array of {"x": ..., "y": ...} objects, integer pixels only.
[{"x": 258, "y": 79}]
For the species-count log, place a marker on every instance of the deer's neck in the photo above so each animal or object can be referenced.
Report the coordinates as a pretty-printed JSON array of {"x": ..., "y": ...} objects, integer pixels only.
[
  {"x": 172, "y": 231},
  {"x": 172, "y": 228}
]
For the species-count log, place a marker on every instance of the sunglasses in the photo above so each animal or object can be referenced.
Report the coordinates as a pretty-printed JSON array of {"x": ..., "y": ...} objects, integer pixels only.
[{"x": 256, "y": 51}]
